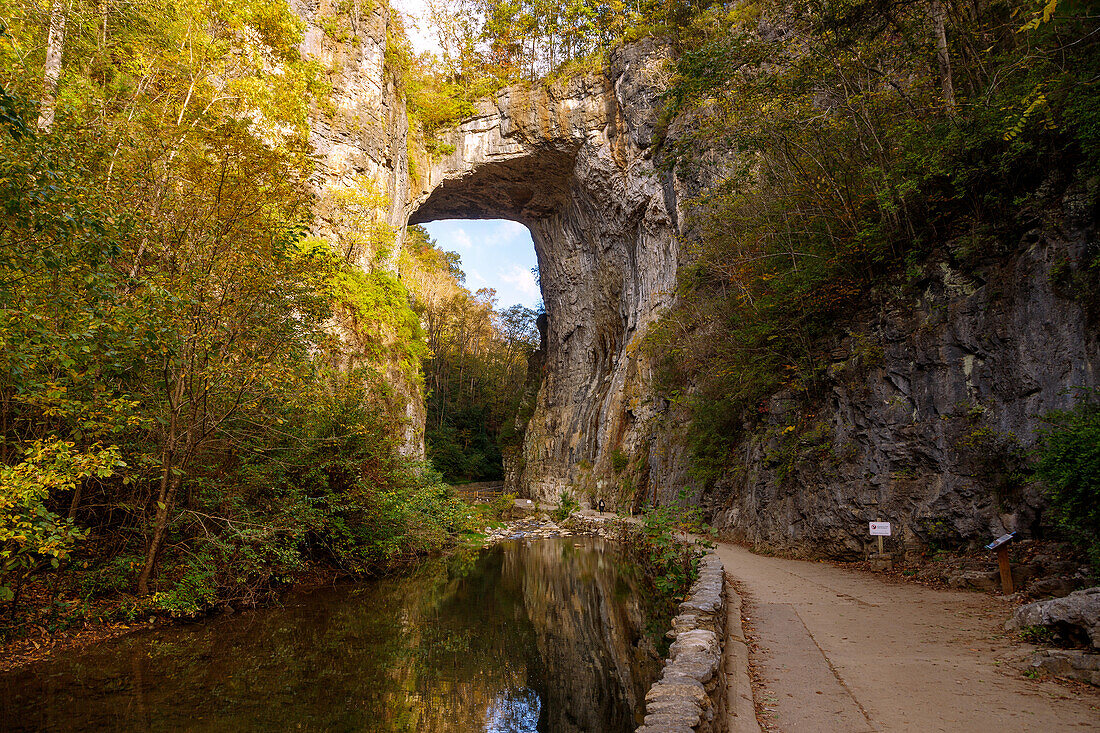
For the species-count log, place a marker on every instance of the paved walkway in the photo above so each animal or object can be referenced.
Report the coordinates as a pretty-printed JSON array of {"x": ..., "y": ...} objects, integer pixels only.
[{"x": 842, "y": 650}]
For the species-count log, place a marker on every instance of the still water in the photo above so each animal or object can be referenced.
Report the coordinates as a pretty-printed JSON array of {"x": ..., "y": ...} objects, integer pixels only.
[{"x": 552, "y": 635}]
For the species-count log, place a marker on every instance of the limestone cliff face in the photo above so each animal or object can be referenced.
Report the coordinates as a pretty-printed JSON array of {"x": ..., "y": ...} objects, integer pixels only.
[
  {"x": 360, "y": 138},
  {"x": 931, "y": 406},
  {"x": 573, "y": 162},
  {"x": 929, "y": 401}
]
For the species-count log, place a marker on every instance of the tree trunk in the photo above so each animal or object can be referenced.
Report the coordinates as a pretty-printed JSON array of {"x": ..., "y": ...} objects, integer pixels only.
[
  {"x": 169, "y": 483},
  {"x": 76, "y": 499},
  {"x": 55, "y": 43},
  {"x": 4, "y": 410},
  {"x": 942, "y": 56}
]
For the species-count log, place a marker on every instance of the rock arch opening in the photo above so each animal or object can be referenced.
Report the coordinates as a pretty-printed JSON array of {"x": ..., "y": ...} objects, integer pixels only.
[
  {"x": 479, "y": 304},
  {"x": 575, "y": 165}
]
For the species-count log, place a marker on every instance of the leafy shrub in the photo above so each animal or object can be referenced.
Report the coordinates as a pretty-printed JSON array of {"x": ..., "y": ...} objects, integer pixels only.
[
  {"x": 619, "y": 460},
  {"x": 194, "y": 594},
  {"x": 1069, "y": 465},
  {"x": 671, "y": 562},
  {"x": 32, "y": 536},
  {"x": 115, "y": 575},
  {"x": 502, "y": 506},
  {"x": 1037, "y": 635},
  {"x": 567, "y": 504}
]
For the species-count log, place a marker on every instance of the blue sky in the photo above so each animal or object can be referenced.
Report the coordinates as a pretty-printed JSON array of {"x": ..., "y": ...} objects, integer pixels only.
[{"x": 495, "y": 254}]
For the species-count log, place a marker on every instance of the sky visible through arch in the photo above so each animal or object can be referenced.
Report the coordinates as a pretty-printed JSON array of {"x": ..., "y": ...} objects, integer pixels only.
[{"x": 495, "y": 253}]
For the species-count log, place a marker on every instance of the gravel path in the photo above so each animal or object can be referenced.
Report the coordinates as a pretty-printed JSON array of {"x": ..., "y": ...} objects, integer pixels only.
[{"x": 843, "y": 650}]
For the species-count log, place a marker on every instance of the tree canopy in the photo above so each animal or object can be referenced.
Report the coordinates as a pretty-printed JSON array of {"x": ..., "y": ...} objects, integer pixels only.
[{"x": 176, "y": 416}]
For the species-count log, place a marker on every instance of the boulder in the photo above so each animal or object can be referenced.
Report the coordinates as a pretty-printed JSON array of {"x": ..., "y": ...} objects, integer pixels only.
[
  {"x": 978, "y": 579},
  {"x": 1072, "y": 663},
  {"x": 1075, "y": 617},
  {"x": 1056, "y": 587}
]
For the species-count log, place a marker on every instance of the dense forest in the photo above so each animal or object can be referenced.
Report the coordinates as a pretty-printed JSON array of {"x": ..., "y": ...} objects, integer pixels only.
[
  {"x": 180, "y": 426},
  {"x": 178, "y": 418},
  {"x": 477, "y": 368}
]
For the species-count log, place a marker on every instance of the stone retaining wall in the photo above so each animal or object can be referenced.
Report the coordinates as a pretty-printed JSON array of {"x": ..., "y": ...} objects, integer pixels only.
[{"x": 691, "y": 693}]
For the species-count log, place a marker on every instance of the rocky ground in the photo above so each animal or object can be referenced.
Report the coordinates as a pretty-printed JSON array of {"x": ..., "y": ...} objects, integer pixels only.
[
  {"x": 1072, "y": 624},
  {"x": 535, "y": 527},
  {"x": 530, "y": 524}
]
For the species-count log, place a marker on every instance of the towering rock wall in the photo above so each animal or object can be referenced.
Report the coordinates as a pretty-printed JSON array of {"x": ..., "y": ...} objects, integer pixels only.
[
  {"x": 360, "y": 136},
  {"x": 361, "y": 132},
  {"x": 572, "y": 161},
  {"x": 929, "y": 402},
  {"x": 930, "y": 408}
]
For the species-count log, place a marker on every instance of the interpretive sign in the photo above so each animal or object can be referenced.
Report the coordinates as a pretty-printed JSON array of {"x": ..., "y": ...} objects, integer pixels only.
[
  {"x": 1001, "y": 546},
  {"x": 880, "y": 529}
]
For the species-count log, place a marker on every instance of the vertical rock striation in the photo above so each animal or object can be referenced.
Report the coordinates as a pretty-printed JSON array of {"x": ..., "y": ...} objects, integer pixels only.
[
  {"x": 572, "y": 161},
  {"x": 360, "y": 137}
]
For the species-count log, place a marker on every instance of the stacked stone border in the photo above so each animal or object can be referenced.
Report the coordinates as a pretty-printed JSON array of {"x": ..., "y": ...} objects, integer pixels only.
[{"x": 692, "y": 693}]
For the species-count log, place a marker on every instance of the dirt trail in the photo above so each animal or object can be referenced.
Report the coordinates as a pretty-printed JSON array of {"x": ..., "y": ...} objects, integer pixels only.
[{"x": 842, "y": 650}]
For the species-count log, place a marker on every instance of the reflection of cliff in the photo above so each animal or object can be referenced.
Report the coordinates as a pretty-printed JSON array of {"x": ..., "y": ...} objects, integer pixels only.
[
  {"x": 544, "y": 631},
  {"x": 560, "y": 619},
  {"x": 595, "y": 663}
]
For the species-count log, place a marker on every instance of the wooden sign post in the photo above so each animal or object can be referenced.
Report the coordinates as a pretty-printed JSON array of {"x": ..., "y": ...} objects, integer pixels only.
[
  {"x": 1001, "y": 546},
  {"x": 880, "y": 530}
]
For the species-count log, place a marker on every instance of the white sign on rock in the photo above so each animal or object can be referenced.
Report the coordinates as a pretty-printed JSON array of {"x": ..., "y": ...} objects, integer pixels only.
[{"x": 880, "y": 529}]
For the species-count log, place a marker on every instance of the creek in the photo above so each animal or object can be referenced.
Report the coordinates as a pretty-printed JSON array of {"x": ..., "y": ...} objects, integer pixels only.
[{"x": 553, "y": 635}]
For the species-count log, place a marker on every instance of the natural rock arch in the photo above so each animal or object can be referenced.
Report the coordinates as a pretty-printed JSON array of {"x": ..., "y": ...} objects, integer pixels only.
[{"x": 573, "y": 163}]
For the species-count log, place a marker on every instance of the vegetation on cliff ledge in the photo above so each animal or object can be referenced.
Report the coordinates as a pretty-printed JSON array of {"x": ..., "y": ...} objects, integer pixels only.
[{"x": 866, "y": 139}]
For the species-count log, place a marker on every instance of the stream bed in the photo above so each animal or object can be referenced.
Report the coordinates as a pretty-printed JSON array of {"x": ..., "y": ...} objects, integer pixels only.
[{"x": 551, "y": 635}]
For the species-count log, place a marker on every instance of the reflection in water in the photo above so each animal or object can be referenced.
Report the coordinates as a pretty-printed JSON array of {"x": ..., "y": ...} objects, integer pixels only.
[
  {"x": 514, "y": 712},
  {"x": 548, "y": 635}
]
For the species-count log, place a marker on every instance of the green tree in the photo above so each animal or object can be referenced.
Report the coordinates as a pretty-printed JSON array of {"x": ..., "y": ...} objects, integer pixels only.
[
  {"x": 1069, "y": 465},
  {"x": 168, "y": 376}
]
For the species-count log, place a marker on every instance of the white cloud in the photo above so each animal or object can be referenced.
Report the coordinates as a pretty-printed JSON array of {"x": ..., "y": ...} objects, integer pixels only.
[
  {"x": 522, "y": 280},
  {"x": 503, "y": 233},
  {"x": 460, "y": 240},
  {"x": 511, "y": 229},
  {"x": 474, "y": 277}
]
